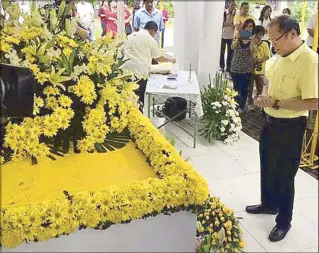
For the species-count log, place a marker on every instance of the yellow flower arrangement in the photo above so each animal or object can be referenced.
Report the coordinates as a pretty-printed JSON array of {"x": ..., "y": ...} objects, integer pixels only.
[
  {"x": 81, "y": 88},
  {"x": 75, "y": 78},
  {"x": 177, "y": 187},
  {"x": 218, "y": 229}
]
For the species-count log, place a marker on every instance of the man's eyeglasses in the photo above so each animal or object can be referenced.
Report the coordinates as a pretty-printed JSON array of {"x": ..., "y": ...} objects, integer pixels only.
[{"x": 276, "y": 40}]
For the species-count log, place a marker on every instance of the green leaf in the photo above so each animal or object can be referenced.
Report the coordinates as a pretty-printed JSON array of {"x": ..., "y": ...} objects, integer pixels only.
[
  {"x": 68, "y": 8},
  {"x": 71, "y": 59},
  {"x": 113, "y": 142},
  {"x": 206, "y": 248},
  {"x": 100, "y": 148},
  {"x": 65, "y": 63},
  {"x": 50, "y": 43},
  {"x": 61, "y": 9}
]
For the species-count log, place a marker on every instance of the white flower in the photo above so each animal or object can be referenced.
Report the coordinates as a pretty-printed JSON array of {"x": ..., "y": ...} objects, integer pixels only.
[
  {"x": 222, "y": 129},
  {"x": 13, "y": 58},
  {"x": 225, "y": 122},
  {"x": 226, "y": 98},
  {"x": 214, "y": 107},
  {"x": 81, "y": 55},
  {"x": 224, "y": 103}
]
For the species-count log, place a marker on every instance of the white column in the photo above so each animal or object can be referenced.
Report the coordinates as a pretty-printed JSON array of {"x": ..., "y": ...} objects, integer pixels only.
[
  {"x": 120, "y": 20},
  {"x": 210, "y": 42},
  {"x": 187, "y": 32},
  {"x": 197, "y": 36}
]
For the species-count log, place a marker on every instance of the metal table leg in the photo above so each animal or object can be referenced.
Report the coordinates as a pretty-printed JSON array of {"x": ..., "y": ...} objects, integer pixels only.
[
  {"x": 149, "y": 105},
  {"x": 195, "y": 128},
  {"x": 153, "y": 106}
]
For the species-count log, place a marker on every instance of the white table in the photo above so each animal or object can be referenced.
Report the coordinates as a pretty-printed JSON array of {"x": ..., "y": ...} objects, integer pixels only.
[{"x": 187, "y": 87}]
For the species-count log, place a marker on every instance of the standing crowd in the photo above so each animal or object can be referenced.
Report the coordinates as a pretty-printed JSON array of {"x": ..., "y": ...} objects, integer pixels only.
[
  {"x": 248, "y": 47},
  {"x": 134, "y": 20}
]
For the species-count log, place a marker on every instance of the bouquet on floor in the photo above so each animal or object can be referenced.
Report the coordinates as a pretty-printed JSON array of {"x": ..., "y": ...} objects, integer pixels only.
[
  {"x": 81, "y": 95},
  {"x": 221, "y": 119},
  {"x": 218, "y": 229}
]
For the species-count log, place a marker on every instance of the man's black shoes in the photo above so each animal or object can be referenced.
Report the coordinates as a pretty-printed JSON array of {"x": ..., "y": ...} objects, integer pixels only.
[
  {"x": 277, "y": 234},
  {"x": 260, "y": 209}
]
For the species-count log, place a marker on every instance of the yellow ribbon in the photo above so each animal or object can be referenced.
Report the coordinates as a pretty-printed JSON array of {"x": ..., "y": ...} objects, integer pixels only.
[{"x": 315, "y": 131}]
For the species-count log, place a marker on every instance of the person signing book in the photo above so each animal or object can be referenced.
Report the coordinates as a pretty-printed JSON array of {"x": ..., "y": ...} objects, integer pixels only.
[{"x": 139, "y": 50}]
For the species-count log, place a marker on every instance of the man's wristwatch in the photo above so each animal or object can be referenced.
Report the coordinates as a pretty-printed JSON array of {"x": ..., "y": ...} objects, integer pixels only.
[{"x": 276, "y": 105}]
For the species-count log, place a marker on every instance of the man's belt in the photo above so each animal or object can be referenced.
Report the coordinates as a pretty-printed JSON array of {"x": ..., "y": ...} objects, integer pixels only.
[{"x": 274, "y": 120}]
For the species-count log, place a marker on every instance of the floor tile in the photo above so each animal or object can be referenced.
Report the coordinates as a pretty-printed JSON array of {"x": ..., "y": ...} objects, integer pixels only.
[
  {"x": 313, "y": 249},
  {"x": 251, "y": 244},
  {"x": 202, "y": 147},
  {"x": 305, "y": 185},
  {"x": 248, "y": 158},
  {"x": 236, "y": 192},
  {"x": 217, "y": 165},
  {"x": 244, "y": 142},
  {"x": 177, "y": 131},
  {"x": 303, "y": 233},
  {"x": 308, "y": 208}
]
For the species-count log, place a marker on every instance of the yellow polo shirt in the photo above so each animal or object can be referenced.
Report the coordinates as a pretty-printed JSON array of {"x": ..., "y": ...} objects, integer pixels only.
[
  {"x": 238, "y": 19},
  {"x": 293, "y": 77}
]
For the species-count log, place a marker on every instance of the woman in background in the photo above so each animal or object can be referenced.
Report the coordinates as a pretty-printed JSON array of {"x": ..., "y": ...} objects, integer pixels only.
[
  {"x": 242, "y": 64},
  {"x": 111, "y": 17},
  {"x": 227, "y": 37},
  {"x": 102, "y": 14},
  {"x": 286, "y": 11},
  {"x": 127, "y": 20},
  {"x": 264, "y": 20}
]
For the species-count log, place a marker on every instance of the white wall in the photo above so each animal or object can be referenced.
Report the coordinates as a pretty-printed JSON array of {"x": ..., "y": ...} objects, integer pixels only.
[
  {"x": 197, "y": 36},
  {"x": 209, "y": 51},
  {"x": 188, "y": 22},
  {"x": 175, "y": 233}
]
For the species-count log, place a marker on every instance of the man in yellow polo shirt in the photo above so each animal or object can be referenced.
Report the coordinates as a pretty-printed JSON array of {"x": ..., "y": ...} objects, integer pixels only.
[
  {"x": 292, "y": 92},
  {"x": 243, "y": 15}
]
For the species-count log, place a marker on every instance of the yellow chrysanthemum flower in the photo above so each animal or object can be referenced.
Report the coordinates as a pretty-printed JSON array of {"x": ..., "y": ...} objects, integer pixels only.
[
  {"x": 67, "y": 51},
  {"x": 242, "y": 244},
  {"x": 65, "y": 101},
  {"x": 51, "y": 91},
  {"x": 85, "y": 90},
  {"x": 41, "y": 77},
  {"x": 51, "y": 102},
  {"x": 13, "y": 40},
  {"x": 5, "y": 47}
]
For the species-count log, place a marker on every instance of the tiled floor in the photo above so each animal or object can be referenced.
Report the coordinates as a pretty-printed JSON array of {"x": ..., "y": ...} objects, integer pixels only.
[{"x": 232, "y": 173}]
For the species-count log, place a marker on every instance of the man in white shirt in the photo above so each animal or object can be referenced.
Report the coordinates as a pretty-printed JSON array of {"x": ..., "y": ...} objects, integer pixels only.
[
  {"x": 85, "y": 16},
  {"x": 139, "y": 50},
  {"x": 311, "y": 30}
]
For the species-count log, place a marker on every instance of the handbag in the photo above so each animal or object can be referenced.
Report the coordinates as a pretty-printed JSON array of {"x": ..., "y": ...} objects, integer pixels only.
[{"x": 175, "y": 106}]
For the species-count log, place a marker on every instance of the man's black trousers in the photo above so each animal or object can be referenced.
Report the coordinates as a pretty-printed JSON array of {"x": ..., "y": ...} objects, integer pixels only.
[
  {"x": 140, "y": 92},
  {"x": 280, "y": 150}
]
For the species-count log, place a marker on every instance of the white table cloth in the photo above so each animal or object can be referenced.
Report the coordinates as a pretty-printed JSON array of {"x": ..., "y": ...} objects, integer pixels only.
[{"x": 185, "y": 88}]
